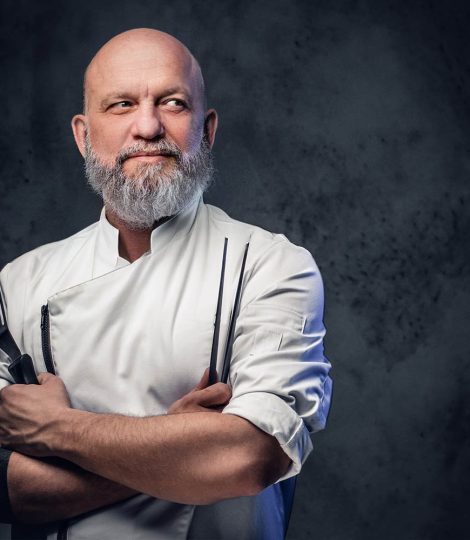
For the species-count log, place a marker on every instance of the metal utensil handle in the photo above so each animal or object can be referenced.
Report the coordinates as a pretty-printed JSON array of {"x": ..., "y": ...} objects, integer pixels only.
[{"x": 231, "y": 333}]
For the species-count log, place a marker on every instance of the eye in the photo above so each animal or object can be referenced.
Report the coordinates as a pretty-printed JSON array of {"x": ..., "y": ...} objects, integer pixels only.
[
  {"x": 175, "y": 104},
  {"x": 121, "y": 104}
]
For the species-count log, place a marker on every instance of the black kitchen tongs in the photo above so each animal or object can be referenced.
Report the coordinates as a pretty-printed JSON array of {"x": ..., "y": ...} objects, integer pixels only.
[
  {"x": 231, "y": 329},
  {"x": 20, "y": 366}
]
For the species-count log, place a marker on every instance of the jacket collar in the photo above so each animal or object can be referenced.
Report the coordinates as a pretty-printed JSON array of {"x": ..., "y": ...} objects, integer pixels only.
[{"x": 106, "y": 256}]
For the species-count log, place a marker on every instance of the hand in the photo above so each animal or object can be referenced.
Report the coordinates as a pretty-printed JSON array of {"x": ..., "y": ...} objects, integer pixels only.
[
  {"x": 203, "y": 398},
  {"x": 29, "y": 412}
]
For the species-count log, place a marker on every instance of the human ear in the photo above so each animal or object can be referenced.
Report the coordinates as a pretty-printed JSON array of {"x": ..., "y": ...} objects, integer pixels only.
[
  {"x": 79, "y": 131},
  {"x": 210, "y": 126}
]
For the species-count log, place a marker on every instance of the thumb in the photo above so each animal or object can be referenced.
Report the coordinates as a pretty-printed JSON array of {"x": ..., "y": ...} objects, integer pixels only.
[
  {"x": 45, "y": 377},
  {"x": 217, "y": 394}
]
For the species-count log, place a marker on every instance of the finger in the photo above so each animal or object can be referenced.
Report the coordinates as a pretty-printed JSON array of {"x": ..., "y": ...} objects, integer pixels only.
[
  {"x": 217, "y": 394},
  {"x": 43, "y": 378},
  {"x": 216, "y": 408}
]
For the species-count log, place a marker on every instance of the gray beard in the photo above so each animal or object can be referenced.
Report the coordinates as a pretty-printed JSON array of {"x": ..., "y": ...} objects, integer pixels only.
[{"x": 152, "y": 193}]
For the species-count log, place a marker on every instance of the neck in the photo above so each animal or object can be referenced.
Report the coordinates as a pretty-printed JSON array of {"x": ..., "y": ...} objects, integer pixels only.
[{"x": 132, "y": 243}]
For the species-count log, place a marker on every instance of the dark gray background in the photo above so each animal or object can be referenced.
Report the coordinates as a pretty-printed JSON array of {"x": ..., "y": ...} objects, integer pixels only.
[{"x": 344, "y": 125}]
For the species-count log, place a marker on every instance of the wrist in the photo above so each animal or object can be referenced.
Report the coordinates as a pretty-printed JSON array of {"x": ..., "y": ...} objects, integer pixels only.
[{"x": 67, "y": 433}]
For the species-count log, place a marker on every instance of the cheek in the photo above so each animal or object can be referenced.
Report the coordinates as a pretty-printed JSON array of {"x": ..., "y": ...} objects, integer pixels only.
[
  {"x": 107, "y": 141},
  {"x": 191, "y": 139},
  {"x": 185, "y": 132}
]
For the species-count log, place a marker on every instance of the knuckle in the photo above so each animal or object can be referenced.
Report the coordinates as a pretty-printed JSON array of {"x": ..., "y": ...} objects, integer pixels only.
[
  {"x": 225, "y": 390},
  {"x": 9, "y": 393},
  {"x": 44, "y": 377}
]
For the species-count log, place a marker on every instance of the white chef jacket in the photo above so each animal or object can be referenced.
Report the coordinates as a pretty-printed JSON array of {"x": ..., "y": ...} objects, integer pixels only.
[{"x": 132, "y": 338}]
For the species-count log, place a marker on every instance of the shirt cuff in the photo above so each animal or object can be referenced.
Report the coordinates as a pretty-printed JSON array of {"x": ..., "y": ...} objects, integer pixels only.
[{"x": 274, "y": 416}]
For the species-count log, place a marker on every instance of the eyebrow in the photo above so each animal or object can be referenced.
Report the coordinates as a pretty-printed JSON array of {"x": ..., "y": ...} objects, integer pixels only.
[{"x": 127, "y": 94}]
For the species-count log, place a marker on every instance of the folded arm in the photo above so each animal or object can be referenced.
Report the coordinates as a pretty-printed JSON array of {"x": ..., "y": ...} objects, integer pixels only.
[
  {"x": 193, "y": 457},
  {"x": 42, "y": 491}
]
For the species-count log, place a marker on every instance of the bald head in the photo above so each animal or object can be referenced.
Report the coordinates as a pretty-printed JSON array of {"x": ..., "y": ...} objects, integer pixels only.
[
  {"x": 141, "y": 49},
  {"x": 145, "y": 132},
  {"x": 143, "y": 86}
]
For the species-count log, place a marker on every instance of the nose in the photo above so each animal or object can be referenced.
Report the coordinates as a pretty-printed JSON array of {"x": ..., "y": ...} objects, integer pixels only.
[{"x": 147, "y": 123}]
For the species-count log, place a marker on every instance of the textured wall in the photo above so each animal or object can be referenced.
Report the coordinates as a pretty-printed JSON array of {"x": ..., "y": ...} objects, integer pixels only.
[{"x": 344, "y": 125}]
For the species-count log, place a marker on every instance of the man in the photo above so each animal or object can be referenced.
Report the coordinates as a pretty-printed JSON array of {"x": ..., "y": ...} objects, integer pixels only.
[{"x": 124, "y": 437}]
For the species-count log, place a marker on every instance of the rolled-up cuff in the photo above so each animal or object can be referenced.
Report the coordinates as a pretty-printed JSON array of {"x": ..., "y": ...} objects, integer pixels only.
[
  {"x": 273, "y": 415},
  {"x": 6, "y": 515},
  {"x": 4, "y": 383}
]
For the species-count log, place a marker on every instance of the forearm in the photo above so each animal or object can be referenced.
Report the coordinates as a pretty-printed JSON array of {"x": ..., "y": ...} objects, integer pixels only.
[
  {"x": 194, "y": 458},
  {"x": 190, "y": 457},
  {"x": 44, "y": 490}
]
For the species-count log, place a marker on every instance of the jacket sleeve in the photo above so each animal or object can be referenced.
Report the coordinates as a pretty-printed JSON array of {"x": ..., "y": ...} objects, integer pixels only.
[
  {"x": 279, "y": 373},
  {"x": 5, "y": 377}
]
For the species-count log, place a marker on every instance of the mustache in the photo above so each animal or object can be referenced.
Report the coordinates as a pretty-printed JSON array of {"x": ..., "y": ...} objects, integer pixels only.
[{"x": 163, "y": 147}]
